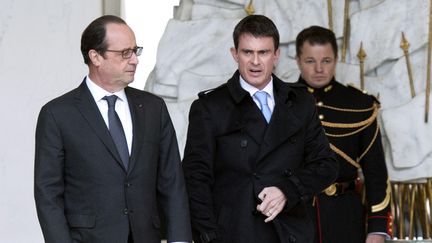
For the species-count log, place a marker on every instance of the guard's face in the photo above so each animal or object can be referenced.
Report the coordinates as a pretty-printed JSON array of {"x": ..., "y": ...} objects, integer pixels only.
[
  {"x": 256, "y": 57},
  {"x": 317, "y": 64}
]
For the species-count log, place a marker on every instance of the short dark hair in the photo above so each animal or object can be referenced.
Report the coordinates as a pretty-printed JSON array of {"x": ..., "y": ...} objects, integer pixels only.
[
  {"x": 258, "y": 26},
  {"x": 93, "y": 36},
  {"x": 316, "y": 35}
]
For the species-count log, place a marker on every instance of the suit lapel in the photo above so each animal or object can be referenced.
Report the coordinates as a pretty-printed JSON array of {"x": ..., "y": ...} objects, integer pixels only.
[
  {"x": 139, "y": 115},
  {"x": 284, "y": 123},
  {"x": 88, "y": 108}
]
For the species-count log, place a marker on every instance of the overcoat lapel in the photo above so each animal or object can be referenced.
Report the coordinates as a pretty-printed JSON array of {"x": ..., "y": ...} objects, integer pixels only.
[
  {"x": 284, "y": 123},
  {"x": 247, "y": 116},
  {"x": 88, "y": 108}
]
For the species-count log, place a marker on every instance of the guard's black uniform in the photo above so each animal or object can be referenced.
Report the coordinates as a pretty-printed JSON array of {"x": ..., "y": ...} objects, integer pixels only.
[{"x": 349, "y": 118}]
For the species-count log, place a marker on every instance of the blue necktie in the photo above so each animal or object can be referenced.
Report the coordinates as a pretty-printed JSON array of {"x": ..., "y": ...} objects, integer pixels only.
[
  {"x": 265, "y": 109},
  {"x": 116, "y": 130}
]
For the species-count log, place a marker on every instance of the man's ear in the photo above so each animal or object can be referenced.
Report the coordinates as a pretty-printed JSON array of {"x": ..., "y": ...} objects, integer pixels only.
[
  {"x": 234, "y": 53},
  {"x": 94, "y": 57},
  {"x": 277, "y": 54}
]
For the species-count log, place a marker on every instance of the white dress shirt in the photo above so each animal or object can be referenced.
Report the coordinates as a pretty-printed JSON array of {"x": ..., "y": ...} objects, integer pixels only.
[{"x": 121, "y": 107}]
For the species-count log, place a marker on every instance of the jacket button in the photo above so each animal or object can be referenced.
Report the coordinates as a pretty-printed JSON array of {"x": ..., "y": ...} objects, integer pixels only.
[
  {"x": 256, "y": 175},
  {"x": 125, "y": 211},
  {"x": 243, "y": 143},
  {"x": 127, "y": 184},
  {"x": 321, "y": 116}
]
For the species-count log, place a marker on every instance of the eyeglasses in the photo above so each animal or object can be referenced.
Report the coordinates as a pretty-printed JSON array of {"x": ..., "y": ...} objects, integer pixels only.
[{"x": 127, "y": 53}]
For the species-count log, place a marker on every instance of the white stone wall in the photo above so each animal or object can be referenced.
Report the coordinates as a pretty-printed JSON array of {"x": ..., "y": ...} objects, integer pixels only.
[{"x": 39, "y": 60}]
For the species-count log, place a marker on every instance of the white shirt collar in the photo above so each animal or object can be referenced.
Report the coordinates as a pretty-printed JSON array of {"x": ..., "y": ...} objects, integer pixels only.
[
  {"x": 252, "y": 90},
  {"x": 98, "y": 92}
]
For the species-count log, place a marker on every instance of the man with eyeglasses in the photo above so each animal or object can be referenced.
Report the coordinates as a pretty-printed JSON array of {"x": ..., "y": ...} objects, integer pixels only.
[{"x": 107, "y": 166}]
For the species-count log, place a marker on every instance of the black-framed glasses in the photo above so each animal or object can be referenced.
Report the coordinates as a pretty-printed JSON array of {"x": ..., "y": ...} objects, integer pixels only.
[{"x": 127, "y": 53}]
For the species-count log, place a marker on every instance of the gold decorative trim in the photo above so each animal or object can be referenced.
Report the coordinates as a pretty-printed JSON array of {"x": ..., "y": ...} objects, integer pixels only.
[
  {"x": 382, "y": 205},
  {"x": 331, "y": 190},
  {"x": 374, "y": 106},
  {"x": 345, "y": 156},
  {"x": 347, "y": 134},
  {"x": 370, "y": 144},
  {"x": 353, "y": 125}
]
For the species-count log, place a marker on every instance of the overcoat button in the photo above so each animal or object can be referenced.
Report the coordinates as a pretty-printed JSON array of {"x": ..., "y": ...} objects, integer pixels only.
[
  {"x": 292, "y": 238},
  {"x": 287, "y": 172},
  {"x": 243, "y": 143}
]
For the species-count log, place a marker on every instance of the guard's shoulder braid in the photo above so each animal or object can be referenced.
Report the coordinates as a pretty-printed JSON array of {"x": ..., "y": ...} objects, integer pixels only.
[{"x": 365, "y": 92}]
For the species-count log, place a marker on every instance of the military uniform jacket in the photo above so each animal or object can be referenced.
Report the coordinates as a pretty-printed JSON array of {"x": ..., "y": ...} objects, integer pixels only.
[
  {"x": 349, "y": 118},
  {"x": 231, "y": 154}
]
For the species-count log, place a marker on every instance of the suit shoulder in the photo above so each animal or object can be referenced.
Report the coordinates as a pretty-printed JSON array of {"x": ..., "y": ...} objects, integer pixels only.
[
  {"x": 62, "y": 99},
  {"x": 142, "y": 94}
]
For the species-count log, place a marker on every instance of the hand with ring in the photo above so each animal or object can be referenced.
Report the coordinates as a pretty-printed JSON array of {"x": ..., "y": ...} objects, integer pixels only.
[{"x": 273, "y": 201}]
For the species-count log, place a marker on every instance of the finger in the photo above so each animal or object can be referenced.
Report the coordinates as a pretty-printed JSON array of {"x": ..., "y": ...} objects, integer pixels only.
[
  {"x": 262, "y": 194},
  {"x": 263, "y": 207},
  {"x": 270, "y": 217}
]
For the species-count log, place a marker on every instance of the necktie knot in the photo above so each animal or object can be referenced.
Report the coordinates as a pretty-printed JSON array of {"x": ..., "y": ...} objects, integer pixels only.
[
  {"x": 111, "y": 100},
  {"x": 261, "y": 96}
]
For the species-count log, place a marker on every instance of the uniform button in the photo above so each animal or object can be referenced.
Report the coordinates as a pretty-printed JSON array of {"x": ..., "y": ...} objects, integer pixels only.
[
  {"x": 321, "y": 117},
  {"x": 125, "y": 211},
  {"x": 320, "y": 103},
  {"x": 243, "y": 143},
  {"x": 127, "y": 184}
]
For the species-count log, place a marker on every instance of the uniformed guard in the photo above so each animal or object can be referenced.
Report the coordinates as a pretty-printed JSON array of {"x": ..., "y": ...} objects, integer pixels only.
[{"x": 349, "y": 117}]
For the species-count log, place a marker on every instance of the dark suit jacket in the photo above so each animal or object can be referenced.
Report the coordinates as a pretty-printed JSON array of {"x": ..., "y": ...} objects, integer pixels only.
[
  {"x": 82, "y": 191},
  {"x": 231, "y": 154}
]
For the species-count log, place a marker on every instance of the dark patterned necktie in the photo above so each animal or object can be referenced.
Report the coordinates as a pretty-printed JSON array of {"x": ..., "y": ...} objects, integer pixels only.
[{"x": 116, "y": 130}]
